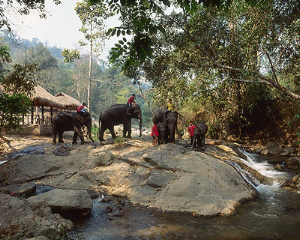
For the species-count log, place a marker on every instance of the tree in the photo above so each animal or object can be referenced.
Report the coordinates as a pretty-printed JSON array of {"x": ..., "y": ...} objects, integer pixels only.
[
  {"x": 13, "y": 101},
  {"x": 92, "y": 17}
]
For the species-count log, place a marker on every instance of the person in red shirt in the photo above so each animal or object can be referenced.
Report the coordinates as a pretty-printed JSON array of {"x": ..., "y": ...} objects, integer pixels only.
[
  {"x": 154, "y": 134},
  {"x": 191, "y": 129},
  {"x": 130, "y": 101},
  {"x": 81, "y": 109}
]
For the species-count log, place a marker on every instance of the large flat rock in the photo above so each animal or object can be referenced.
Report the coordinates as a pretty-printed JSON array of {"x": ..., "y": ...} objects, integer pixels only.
[{"x": 190, "y": 182}]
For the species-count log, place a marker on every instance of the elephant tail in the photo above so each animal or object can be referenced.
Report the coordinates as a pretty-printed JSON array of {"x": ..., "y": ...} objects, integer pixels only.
[{"x": 100, "y": 121}]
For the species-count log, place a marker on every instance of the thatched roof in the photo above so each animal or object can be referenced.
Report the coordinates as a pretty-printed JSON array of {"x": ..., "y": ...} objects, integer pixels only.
[
  {"x": 69, "y": 102},
  {"x": 41, "y": 97}
]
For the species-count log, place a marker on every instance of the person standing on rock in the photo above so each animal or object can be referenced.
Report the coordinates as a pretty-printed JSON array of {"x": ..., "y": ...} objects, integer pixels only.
[
  {"x": 191, "y": 129},
  {"x": 154, "y": 134}
]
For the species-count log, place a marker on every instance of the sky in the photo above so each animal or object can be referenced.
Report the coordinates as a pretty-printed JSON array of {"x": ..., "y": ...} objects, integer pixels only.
[{"x": 61, "y": 28}]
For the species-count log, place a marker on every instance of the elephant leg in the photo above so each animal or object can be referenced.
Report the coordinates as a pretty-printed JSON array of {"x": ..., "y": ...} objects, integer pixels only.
[
  {"x": 75, "y": 138},
  {"x": 78, "y": 132},
  {"x": 129, "y": 131},
  {"x": 202, "y": 143},
  {"x": 194, "y": 145},
  {"x": 101, "y": 133},
  {"x": 112, "y": 132},
  {"x": 124, "y": 131},
  {"x": 60, "y": 139}
]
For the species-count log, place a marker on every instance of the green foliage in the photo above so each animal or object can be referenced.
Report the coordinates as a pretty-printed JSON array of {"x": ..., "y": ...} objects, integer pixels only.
[
  {"x": 95, "y": 131},
  {"x": 20, "y": 78},
  {"x": 70, "y": 55},
  {"x": 119, "y": 141},
  {"x": 12, "y": 107},
  {"x": 4, "y": 53}
]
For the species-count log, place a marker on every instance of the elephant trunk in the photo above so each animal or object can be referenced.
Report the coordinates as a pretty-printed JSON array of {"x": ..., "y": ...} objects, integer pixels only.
[
  {"x": 89, "y": 127},
  {"x": 141, "y": 126}
]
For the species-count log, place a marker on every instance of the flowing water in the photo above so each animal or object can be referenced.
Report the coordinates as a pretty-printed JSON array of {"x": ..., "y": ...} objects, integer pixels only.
[{"x": 275, "y": 214}]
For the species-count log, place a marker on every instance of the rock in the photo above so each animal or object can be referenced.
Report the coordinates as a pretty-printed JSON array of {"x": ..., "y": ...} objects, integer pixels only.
[
  {"x": 296, "y": 179},
  {"x": 93, "y": 194},
  {"x": 196, "y": 183},
  {"x": 293, "y": 161},
  {"x": 271, "y": 145},
  {"x": 227, "y": 149},
  {"x": 258, "y": 150},
  {"x": 278, "y": 167},
  {"x": 38, "y": 238},
  {"x": 275, "y": 151},
  {"x": 19, "y": 221},
  {"x": 26, "y": 189},
  {"x": 265, "y": 152},
  {"x": 285, "y": 153},
  {"x": 64, "y": 200}
]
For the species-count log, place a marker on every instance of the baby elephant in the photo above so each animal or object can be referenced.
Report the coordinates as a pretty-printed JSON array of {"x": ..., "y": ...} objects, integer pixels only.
[
  {"x": 162, "y": 130},
  {"x": 199, "y": 136}
]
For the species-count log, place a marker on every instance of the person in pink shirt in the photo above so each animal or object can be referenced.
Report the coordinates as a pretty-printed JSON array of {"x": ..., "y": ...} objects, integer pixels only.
[
  {"x": 154, "y": 134},
  {"x": 81, "y": 109},
  {"x": 191, "y": 129}
]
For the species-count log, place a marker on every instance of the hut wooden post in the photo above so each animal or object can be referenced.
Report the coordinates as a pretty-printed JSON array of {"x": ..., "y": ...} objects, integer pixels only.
[
  {"x": 43, "y": 114},
  {"x": 32, "y": 110},
  {"x": 51, "y": 114}
]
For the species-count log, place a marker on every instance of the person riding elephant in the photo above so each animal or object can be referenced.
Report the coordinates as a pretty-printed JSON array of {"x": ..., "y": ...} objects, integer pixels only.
[
  {"x": 199, "y": 136},
  {"x": 169, "y": 119},
  {"x": 117, "y": 114},
  {"x": 71, "y": 121}
]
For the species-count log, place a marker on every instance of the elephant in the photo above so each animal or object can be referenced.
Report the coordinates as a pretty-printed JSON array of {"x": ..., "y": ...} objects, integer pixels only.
[
  {"x": 169, "y": 119},
  {"x": 162, "y": 130},
  {"x": 199, "y": 136},
  {"x": 71, "y": 121},
  {"x": 117, "y": 114}
]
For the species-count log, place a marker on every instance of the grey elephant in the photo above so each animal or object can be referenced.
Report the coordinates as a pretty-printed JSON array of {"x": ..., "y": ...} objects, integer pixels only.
[
  {"x": 162, "y": 130},
  {"x": 199, "y": 136},
  {"x": 118, "y": 114},
  {"x": 169, "y": 119},
  {"x": 71, "y": 121}
]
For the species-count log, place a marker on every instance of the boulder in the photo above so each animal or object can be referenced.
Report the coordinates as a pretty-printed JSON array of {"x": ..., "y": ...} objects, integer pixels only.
[
  {"x": 26, "y": 189},
  {"x": 64, "y": 201},
  {"x": 19, "y": 221},
  {"x": 292, "y": 161},
  {"x": 191, "y": 182},
  {"x": 271, "y": 145},
  {"x": 265, "y": 152}
]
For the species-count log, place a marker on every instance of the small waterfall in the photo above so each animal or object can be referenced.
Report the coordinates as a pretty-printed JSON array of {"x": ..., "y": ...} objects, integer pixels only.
[
  {"x": 246, "y": 175},
  {"x": 276, "y": 177},
  {"x": 264, "y": 168}
]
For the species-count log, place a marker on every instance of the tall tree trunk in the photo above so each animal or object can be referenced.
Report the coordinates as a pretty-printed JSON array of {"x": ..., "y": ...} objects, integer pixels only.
[{"x": 90, "y": 68}]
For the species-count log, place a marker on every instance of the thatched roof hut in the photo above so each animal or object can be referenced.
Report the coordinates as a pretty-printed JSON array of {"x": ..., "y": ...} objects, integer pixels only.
[
  {"x": 41, "y": 97},
  {"x": 69, "y": 102}
]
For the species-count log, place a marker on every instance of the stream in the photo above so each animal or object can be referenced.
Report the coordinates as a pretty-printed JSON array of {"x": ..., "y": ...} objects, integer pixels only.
[{"x": 274, "y": 214}]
